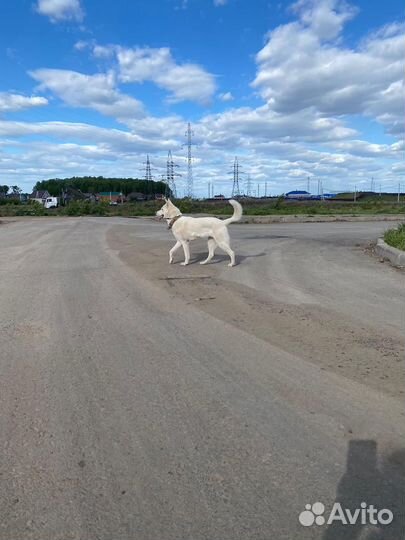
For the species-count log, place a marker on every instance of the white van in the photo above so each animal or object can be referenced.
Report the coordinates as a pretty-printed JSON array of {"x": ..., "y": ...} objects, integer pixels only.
[{"x": 51, "y": 202}]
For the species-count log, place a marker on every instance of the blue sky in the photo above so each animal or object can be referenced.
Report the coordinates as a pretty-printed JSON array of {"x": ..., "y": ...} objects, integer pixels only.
[{"x": 312, "y": 88}]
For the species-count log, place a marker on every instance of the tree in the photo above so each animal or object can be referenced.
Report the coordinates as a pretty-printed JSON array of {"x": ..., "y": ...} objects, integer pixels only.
[
  {"x": 16, "y": 190},
  {"x": 93, "y": 184},
  {"x": 4, "y": 190}
]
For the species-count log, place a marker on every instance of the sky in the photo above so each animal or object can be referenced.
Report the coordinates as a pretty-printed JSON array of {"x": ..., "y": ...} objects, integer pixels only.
[{"x": 300, "y": 92}]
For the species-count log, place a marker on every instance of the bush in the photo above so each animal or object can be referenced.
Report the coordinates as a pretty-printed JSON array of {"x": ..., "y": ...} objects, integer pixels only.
[{"x": 84, "y": 208}]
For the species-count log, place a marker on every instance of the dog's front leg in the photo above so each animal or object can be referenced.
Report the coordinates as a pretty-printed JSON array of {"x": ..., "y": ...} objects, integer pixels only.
[
  {"x": 186, "y": 249},
  {"x": 173, "y": 250}
]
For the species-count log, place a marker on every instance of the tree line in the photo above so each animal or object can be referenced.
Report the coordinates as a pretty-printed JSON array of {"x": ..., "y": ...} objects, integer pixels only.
[
  {"x": 97, "y": 184},
  {"x": 15, "y": 190}
]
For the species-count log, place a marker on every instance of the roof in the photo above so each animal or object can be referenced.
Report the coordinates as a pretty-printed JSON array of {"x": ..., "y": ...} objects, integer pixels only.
[
  {"x": 108, "y": 193},
  {"x": 298, "y": 193},
  {"x": 39, "y": 194}
]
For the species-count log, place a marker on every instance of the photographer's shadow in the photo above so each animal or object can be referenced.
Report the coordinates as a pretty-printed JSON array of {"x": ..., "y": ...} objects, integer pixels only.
[{"x": 365, "y": 482}]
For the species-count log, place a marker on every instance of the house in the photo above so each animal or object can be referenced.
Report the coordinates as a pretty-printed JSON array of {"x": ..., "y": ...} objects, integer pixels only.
[
  {"x": 39, "y": 196},
  {"x": 70, "y": 194},
  {"x": 298, "y": 195},
  {"x": 136, "y": 196},
  {"x": 111, "y": 196}
]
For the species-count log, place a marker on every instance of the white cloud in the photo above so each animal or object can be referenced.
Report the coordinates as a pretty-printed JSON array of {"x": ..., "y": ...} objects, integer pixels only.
[
  {"x": 60, "y": 10},
  {"x": 227, "y": 96},
  {"x": 300, "y": 68},
  {"x": 325, "y": 18},
  {"x": 92, "y": 91},
  {"x": 16, "y": 102},
  {"x": 220, "y": 2},
  {"x": 284, "y": 164},
  {"x": 185, "y": 81}
]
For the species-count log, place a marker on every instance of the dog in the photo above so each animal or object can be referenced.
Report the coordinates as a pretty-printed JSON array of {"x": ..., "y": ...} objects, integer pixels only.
[{"x": 187, "y": 228}]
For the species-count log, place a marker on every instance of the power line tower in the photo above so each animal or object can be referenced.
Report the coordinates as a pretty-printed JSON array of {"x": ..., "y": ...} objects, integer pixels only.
[
  {"x": 170, "y": 174},
  {"x": 249, "y": 186},
  {"x": 236, "y": 172},
  {"x": 148, "y": 173},
  {"x": 189, "y": 134}
]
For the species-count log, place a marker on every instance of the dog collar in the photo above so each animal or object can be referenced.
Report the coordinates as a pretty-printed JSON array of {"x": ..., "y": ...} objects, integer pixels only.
[{"x": 173, "y": 221}]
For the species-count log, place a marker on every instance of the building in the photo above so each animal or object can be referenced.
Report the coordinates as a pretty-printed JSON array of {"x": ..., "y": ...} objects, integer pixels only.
[
  {"x": 298, "y": 195},
  {"x": 111, "y": 196},
  {"x": 39, "y": 196},
  {"x": 136, "y": 196}
]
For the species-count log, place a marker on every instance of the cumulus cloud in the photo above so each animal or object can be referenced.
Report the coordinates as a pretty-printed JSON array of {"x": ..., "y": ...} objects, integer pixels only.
[
  {"x": 325, "y": 18},
  {"x": 92, "y": 91},
  {"x": 300, "y": 67},
  {"x": 16, "y": 102},
  {"x": 184, "y": 81},
  {"x": 226, "y": 96},
  {"x": 60, "y": 10}
]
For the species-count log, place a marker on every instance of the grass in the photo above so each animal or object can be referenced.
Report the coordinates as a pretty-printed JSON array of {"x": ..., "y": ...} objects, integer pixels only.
[
  {"x": 396, "y": 237},
  {"x": 252, "y": 207}
]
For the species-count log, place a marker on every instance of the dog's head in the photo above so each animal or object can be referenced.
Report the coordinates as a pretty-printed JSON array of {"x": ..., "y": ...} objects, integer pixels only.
[{"x": 168, "y": 210}]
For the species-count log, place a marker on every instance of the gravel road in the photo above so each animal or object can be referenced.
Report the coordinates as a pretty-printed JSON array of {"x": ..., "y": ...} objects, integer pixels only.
[{"x": 154, "y": 402}]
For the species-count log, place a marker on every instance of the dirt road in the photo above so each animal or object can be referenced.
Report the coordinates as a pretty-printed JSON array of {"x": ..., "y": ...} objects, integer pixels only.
[{"x": 141, "y": 400}]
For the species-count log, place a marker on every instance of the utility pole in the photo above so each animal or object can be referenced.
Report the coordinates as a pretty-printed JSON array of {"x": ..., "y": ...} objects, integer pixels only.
[
  {"x": 258, "y": 190},
  {"x": 355, "y": 194},
  {"x": 265, "y": 188},
  {"x": 308, "y": 184}
]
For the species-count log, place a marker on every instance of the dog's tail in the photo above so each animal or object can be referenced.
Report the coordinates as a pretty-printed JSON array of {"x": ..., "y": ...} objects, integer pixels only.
[{"x": 237, "y": 212}]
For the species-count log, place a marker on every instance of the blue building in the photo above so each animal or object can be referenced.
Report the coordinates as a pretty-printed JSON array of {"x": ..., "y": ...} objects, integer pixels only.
[{"x": 298, "y": 195}]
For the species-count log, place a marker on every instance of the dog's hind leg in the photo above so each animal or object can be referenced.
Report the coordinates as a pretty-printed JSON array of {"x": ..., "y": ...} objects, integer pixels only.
[
  {"x": 173, "y": 250},
  {"x": 211, "y": 250},
  {"x": 186, "y": 249},
  {"x": 227, "y": 248}
]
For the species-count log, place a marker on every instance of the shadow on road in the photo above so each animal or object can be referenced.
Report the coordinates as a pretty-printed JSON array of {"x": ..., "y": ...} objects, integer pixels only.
[{"x": 365, "y": 482}]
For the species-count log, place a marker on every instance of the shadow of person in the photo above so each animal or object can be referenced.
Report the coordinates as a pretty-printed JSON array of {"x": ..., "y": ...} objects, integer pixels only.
[{"x": 363, "y": 487}]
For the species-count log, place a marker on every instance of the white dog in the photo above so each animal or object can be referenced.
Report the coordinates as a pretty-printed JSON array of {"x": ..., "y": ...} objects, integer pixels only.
[{"x": 187, "y": 228}]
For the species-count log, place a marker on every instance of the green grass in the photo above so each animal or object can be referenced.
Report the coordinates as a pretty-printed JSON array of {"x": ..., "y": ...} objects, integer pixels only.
[
  {"x": 396, "y": 237},
  {"x": 252, "y": 207}
]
